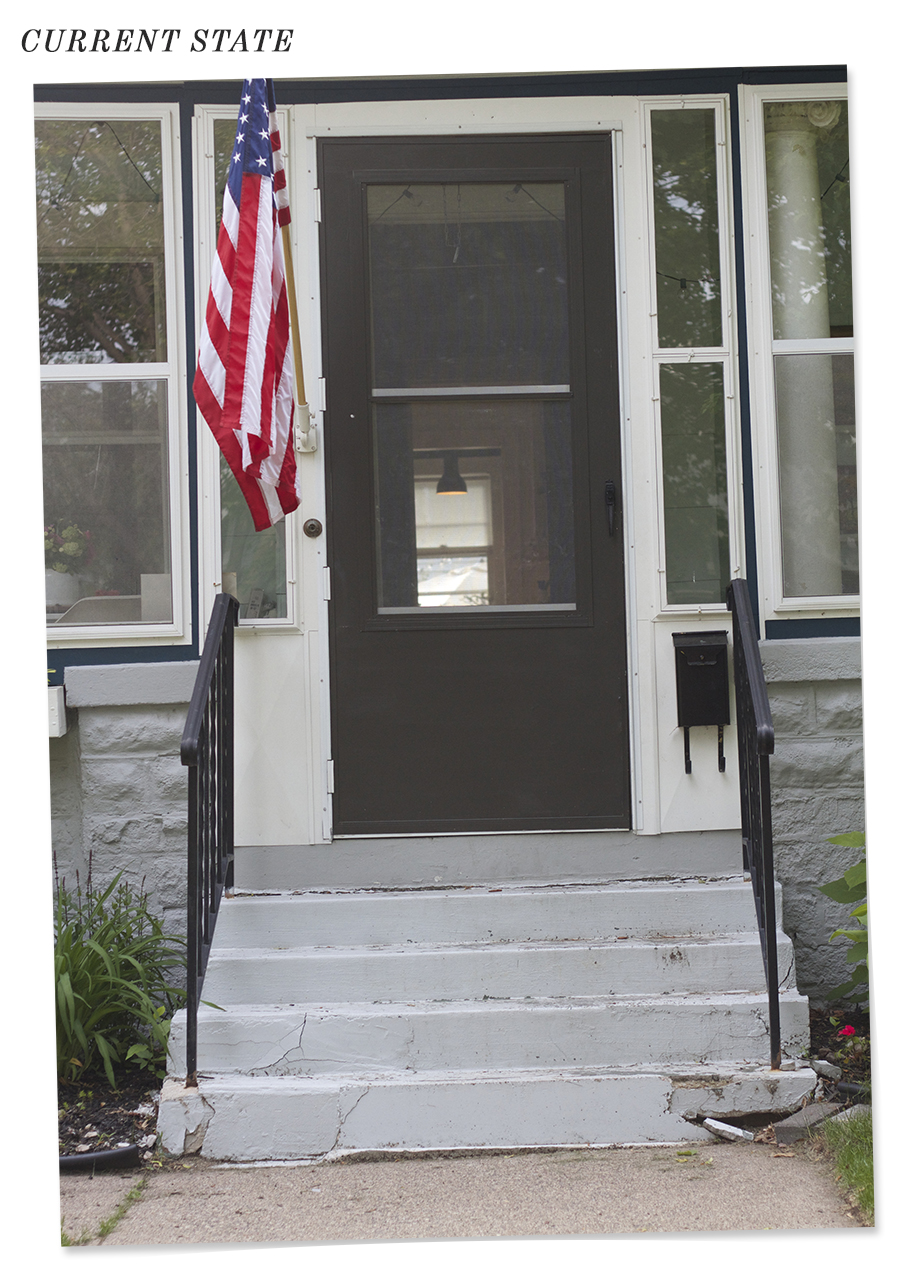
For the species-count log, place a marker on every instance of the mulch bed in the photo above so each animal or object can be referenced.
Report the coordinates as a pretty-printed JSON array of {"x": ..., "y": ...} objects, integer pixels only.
[
  {"x": 853, "y": 1057},
  {"x": 94, "y": 1117}
]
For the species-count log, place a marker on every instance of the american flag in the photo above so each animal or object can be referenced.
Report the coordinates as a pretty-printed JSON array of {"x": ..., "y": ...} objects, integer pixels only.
[{"x": 244, "y": 380}]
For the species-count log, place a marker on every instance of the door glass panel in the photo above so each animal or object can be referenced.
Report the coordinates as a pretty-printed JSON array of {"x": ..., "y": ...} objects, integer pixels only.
[
  {"x": 692, "y": 406},
  {"x": 468, "y": 285},
  {"x": 686, "y": 214},
  {"x": 474, "y": 502},
  {"x": 254, "y": 563}
]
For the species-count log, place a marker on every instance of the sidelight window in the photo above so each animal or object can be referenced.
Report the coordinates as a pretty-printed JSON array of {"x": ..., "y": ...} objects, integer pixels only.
[{"x": 693, "y": 349}]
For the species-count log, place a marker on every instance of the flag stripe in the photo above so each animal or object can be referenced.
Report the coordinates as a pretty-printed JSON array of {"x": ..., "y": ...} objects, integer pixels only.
[{"x": 244, "y": 380}]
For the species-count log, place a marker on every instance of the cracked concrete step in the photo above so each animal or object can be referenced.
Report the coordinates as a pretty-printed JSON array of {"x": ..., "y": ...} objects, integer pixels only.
[
  {"x": 394, "y": 1038},
  {"x": 296, "y": 1118},
  {"x": 514, "y": 913},
  {"x": 319, "y": 975}
]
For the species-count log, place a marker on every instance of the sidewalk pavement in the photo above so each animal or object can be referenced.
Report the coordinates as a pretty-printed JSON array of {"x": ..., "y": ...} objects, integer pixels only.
[{"x": 710, "y": 1187}]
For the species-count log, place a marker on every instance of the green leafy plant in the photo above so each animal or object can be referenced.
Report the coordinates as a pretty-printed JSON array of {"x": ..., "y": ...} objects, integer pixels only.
[
  {"x": 850, "y": 888},
  {"x": 114, "y": 965}
]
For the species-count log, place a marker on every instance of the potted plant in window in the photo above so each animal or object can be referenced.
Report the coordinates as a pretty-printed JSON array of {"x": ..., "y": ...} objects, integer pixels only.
[{"x": 67, "y": 551}]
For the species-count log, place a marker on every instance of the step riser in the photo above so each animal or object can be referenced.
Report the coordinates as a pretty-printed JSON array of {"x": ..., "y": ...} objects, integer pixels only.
[
  {"x": 527, "y": 915},
  {"x": 499, "y": 973},
  {"x": 423, "y": 861},
  {"x": 353, "y": 1043},
  {"x": 278, "y": 1120}
]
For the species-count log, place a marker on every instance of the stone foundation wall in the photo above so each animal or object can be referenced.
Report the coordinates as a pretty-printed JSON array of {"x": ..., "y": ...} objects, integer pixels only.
[
  {"x": 817, "y": 791},
  {"x": 118, "y": 788}
]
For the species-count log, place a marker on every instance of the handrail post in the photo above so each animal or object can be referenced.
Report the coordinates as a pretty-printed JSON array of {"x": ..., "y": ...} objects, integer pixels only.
[
  {"x": 756, "y": 742},
  {"x": 207, "y": 751}
]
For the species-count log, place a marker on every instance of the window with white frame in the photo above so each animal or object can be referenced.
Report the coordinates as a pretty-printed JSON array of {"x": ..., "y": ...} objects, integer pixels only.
[
  {"x": 799, "y": 159},
  {"x": 693, "y": 347},
  {"x": 108, "y": 344}
]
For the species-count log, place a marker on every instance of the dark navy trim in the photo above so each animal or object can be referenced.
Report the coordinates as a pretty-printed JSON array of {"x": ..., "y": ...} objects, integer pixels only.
[
  {"x": 59, "y": 659},
  {"x": 823, "y": 627},
  {"x": 410, "y": 88}
]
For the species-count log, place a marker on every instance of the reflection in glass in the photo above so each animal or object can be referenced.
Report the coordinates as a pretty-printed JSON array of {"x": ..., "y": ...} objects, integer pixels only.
[
  {"x": 692, "y": 405},
  {"x": 685, "y": 205},
  {"x": 808, "y": 179},
  {"x": 105, "y": 480},
  {"x": 508, "y": 539},
  {"x": 253, "y": 562},
  {"x": 100, "y": 241},
  {"x": 817, "y": 466},
  {"x": 468, "y": 285}
]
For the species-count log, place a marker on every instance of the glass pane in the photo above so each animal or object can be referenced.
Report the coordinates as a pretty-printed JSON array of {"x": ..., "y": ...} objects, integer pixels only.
[
  {"x": 686, "y": 213},
  {"x": 475, "y": 504},
  {"x": 253, "y": 562},
  {"x": 817, "y": 465},
  {"x": 808, "y": 178},
  {"x": 101, "y": 259},
  {"x": 692, "y": 404},
  {"x": 106, "y": 501},
  {"x": 468, "y": 285}
]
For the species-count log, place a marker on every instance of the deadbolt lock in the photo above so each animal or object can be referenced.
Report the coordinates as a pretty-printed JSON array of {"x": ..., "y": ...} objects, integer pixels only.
[{"x": 312, "y": 527}]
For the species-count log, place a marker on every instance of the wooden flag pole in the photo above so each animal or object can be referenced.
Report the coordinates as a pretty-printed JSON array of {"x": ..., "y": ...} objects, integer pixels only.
[{"x": 304, "y": 437}]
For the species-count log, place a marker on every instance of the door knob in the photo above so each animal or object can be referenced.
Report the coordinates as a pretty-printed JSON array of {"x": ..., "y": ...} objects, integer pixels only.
[{"x": 312, "y": 527}]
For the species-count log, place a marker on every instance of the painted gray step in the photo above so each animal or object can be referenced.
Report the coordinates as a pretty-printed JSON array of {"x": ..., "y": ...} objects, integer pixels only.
[
  {"x": 516, "y": 913},
  {"x": 397, "y": 1038},
  {"x": 321, "y": 975},
  {"x": 297, "y": 1118},
  {"x": 427, "y": 860}
]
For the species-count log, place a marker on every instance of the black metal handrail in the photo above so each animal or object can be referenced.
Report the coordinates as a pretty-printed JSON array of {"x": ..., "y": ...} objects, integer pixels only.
[
  {"x": 207, "y": 751},
  {"x": 756, "y": 742}
]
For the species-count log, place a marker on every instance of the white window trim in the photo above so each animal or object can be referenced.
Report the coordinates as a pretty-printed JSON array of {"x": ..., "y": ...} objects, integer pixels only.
[
  {"x": 762, "y": 350},
  {"x": 208, "y": 452},
  {"x": 725, "y": 354},
  {"x": 172, "y": 371}
]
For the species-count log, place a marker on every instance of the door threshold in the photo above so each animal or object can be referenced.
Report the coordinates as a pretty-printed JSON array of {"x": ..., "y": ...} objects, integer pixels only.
[{"x": 588, "y": 830}]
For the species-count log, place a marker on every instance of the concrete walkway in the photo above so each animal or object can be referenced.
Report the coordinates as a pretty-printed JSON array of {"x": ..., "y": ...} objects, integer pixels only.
[{"x": 713, "y": 1187}]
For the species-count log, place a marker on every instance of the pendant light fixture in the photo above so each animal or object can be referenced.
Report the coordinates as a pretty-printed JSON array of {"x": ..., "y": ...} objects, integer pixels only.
[{"x": 451, "y": 481}]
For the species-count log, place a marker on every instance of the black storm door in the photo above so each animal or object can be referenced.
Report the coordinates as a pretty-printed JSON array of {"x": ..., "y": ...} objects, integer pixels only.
[{"x": 473, "y": 460}]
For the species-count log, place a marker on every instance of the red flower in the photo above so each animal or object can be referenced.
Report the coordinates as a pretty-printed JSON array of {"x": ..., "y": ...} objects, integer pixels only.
[{"x": 847, "y": 1031}]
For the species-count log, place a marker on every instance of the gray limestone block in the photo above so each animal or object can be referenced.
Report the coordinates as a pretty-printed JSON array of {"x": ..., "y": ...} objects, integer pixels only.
[
  {"x": 803, "y": 815},
  {"x": 113, "y": 787},
  {"x": 805, "y": 864},
  {"x": 817, "y": 763},
  {"x": 838, "y": 707},
  {"x": 802, "y": 1123},
  {"x": 132, "y": 729},
  {"x": 793, "y": 713}
]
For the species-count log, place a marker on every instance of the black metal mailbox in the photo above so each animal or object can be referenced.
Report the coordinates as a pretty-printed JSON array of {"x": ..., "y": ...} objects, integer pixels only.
[{"x": 701, "y": 683}]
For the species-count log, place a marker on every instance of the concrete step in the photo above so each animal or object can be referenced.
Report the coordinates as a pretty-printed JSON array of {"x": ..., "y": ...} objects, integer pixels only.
[
  {"x": 488, "y": 1035},
  {"x": 490, "y": 913},
  {"x": 245, "y": 1118},
  {"x": 322, "y": 975},
  {"x": 396, "y": 862}
]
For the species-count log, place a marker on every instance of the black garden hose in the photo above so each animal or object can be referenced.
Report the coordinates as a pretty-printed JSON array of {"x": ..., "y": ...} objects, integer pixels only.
[{"x": 111, "y": 1159}]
